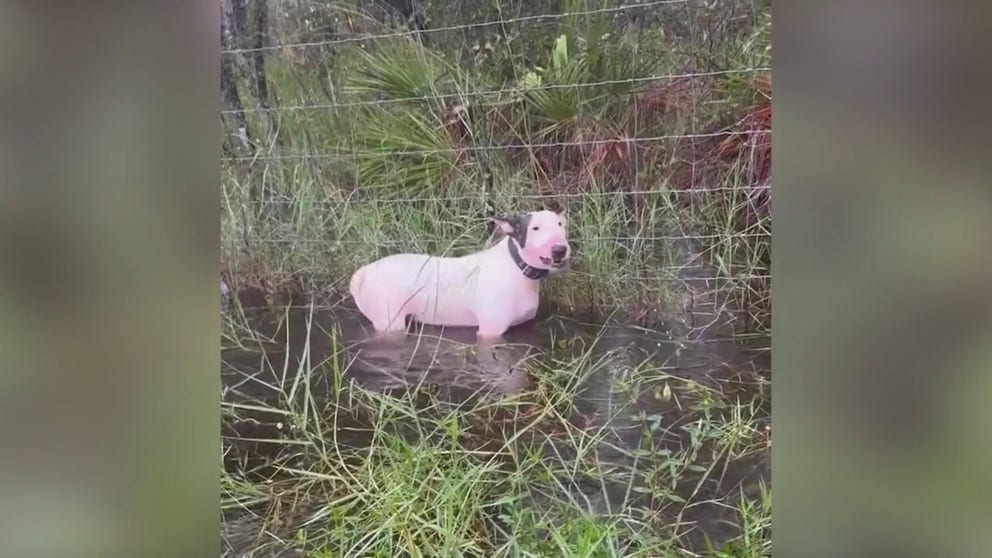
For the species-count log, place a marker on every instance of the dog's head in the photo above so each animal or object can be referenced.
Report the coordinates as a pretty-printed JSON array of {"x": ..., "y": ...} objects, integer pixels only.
[{"x": 541, "y": 237}]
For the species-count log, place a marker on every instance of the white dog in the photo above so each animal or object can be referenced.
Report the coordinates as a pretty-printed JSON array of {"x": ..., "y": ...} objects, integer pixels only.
[{"x": 492, "y": 290}]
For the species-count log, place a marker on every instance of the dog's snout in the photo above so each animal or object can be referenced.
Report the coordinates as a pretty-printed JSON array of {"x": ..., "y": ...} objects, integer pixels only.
[{"x": 559, "y": 252}]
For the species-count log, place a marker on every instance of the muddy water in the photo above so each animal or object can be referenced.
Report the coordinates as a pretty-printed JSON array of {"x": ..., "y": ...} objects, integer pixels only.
[{"x": 450, "y": 366}]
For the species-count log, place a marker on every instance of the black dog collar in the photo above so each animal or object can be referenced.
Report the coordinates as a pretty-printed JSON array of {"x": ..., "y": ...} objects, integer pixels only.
[{"x": 529, "y": 271}]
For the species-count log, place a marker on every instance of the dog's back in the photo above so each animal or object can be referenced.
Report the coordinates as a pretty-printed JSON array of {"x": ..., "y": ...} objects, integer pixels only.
[{"x": 435, "y": 290}]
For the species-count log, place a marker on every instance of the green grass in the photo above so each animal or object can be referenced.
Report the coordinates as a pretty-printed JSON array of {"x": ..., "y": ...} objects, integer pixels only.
[
  {"x": 394, "y": 157},
  {"x": 383, "y": 147},
  {"x": 347, "y": 471}
]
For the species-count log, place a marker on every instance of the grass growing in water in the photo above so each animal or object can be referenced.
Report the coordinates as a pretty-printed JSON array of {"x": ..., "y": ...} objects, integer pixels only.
[
  {"x": 384, "y": 146},
  {"x": 601, "y": 456}
]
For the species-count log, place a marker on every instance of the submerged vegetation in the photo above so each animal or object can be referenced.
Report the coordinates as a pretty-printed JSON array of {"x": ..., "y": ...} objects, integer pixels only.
[
  {"x": 349, "y": 135},
  {"x": 597, "y": 453}
]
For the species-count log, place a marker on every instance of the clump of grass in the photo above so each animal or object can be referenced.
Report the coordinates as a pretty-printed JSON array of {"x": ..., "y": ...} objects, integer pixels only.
[
  {"x": 397, "y": 71},
  {"x": 403, "y": 154},
  {"x": 418, "y": 500},
  {"x": 558, "y": 93}
]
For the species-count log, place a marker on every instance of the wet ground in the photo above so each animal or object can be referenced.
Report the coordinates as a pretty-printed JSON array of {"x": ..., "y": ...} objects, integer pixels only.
[{"x": 338, "y": 344}]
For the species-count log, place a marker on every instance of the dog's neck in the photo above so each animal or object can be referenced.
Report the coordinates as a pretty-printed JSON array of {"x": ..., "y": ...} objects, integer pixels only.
[{"x": 528, "y": 270}]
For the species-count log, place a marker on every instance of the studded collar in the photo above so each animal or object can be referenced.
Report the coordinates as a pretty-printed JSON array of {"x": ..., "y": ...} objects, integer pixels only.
[{"x": 528, "y": 270}]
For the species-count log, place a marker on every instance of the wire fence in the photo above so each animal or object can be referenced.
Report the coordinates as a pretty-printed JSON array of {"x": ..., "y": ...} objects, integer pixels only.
[
  {"x": 507, "y": 91},
  {"x": 527, "y": 146},
  {"x": 461, "y": 27},
  {"x": 669, "y": 163}
]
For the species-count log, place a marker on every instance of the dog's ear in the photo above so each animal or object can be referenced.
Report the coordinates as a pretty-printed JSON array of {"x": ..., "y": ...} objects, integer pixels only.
[
  {"x": 507, "y": 223},
  {"x": 559, "y": 209}
]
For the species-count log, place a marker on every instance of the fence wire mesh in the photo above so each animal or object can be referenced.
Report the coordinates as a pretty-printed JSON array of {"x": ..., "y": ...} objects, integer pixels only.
[{"x": 357, "y": 129}]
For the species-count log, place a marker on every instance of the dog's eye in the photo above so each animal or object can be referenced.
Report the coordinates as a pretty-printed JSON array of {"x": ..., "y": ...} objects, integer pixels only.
[
  {"x": 559, "y": 223},
  {"x": 535, "y": 228}
]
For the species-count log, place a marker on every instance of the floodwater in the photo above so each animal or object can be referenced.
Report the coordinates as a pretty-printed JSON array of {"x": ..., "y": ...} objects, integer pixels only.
[{"x": 448, "y": 365}]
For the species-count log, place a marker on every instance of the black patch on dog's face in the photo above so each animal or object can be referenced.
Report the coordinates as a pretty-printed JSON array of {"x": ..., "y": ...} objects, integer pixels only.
[{"x": 521, "y": 224}]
